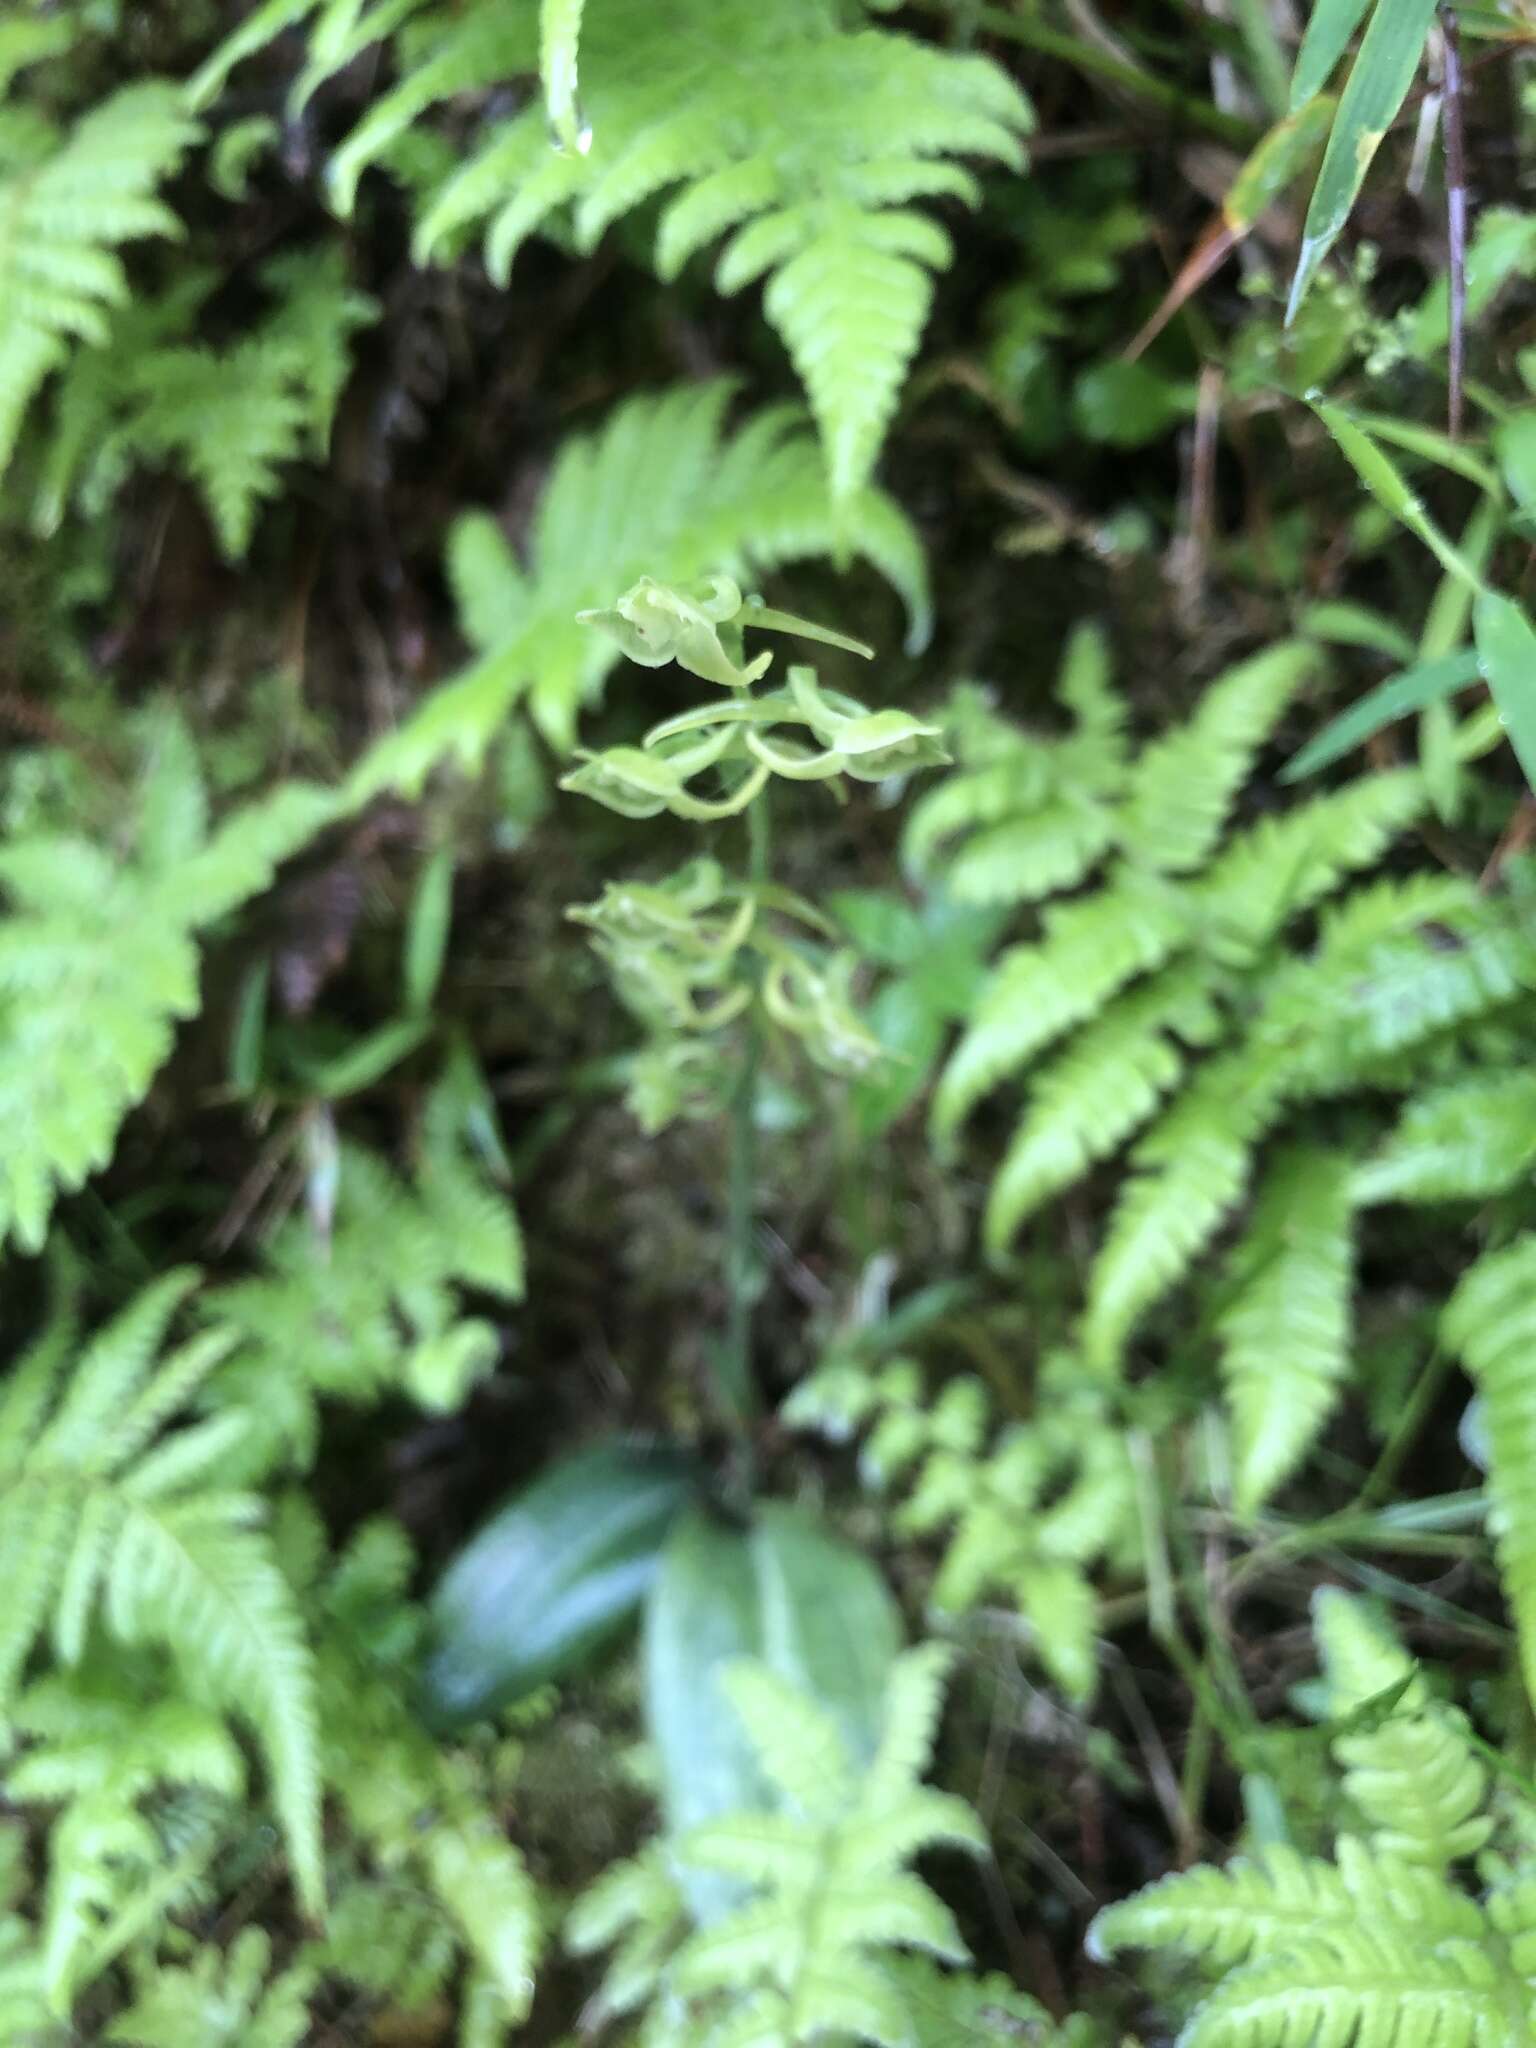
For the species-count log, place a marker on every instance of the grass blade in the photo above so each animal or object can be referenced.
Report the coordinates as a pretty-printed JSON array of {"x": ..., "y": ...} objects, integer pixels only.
[
  {"x": 1332, "y": 24},
  {"x": 1427, "y": 682},
  {"x": 1386, "y": 482}
]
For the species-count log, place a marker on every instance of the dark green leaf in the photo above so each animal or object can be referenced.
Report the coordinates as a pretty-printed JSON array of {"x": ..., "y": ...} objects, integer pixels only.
[
  {"x": 788, "y": 1591},
  {"x": 553, "y": 1577}
]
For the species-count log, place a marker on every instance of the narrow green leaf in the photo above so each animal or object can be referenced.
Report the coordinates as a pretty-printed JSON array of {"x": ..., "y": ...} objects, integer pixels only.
[
  {"x": 1432, "y": 445},
  {"x": 1332, "y": 24},
  {"x": 1506, "y": 646},
  {"x": 1386, "y": 482},
  {"x": 426, "y": 932},
  {"x": 369, "y": 1060},
  {"x": 249, "y": 1030},
  {"x": 1378, "y": 85},
  {"x": 1410, "y": 690}
]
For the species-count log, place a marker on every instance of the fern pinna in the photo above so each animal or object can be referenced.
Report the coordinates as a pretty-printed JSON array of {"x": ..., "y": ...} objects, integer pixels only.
[
  {"x": 1385, "y": 1942},
  {"x": 1175, "y": 1004},
  {"x": 800, "y": 139}
]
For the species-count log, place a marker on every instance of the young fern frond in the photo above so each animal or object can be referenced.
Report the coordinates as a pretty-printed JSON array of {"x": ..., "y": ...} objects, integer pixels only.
[
  {"x": 660, "y": 487},
  {"x": 85, "y": 1021},
  {"x": 1030, "y": 1519},
  {"x": 1379, "y": 1945},
  {"x": 1490, "y": 1323},
  {"x": 67, "y": 204},
  {"x": 230, "y": 419},
  {"x": 1410, "y": 1769},
  {"x": 372, "y": 1308}
]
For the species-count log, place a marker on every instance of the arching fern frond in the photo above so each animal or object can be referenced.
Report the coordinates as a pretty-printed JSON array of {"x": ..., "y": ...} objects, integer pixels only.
[
  {"x": 1490, "y": 1323},
  {"x": 660, "y": 488},
  {"x": 812, "y": 179}
]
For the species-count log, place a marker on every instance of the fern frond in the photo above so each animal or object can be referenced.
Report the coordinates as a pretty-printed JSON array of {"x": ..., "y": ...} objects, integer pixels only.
[
  {"x": 1191, "y": 1169},
  {"x": 1285, "y": 1333},
  {"x": 165, "y": 1559},
  {"x": 373, "y": 1306},
  {"x": 62, "y": 218},
  {"x": 1379, "y": 1986},
  {"x": 1413, "y": 1775},
  {"x": 1082, "y": 1106},
  {"x": 814, "y": 177},
  {"x": 660, "y": 488},
  {"x": 229, "y": 419},
  {"x": 1091, "y": 949},
  {"x": 220, "y": 2000},
  {"x": 1262, "y": 1907},
  {"x": 1464, "y": 1141},
  {"x": 1490, "y": 1323},
  {"x": 1178, "y": 795}
]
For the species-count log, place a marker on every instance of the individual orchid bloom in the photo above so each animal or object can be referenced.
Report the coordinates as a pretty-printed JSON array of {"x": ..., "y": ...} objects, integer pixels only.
[{"x": 655, "y": 623}]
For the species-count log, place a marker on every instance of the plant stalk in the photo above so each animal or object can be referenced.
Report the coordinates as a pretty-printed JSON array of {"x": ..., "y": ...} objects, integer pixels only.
[{"x": 737, "y": 1382}]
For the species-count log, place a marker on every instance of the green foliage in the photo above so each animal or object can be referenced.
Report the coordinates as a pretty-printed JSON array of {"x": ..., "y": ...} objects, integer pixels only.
[
  {"x": 1382, "y": 1943},
  {"x": 107, "y": 1515},
  {"x": 85, "y": 1022},
  {"x": 70, "y": 196},
  {"x": 367, "y": 1303},
  {"x": 1028, "y": 1511},
  {"x": 1170, "y": 1000},
  {"x": 829, "y": 1894},
  {"x": 659, "y": 487},
  {"x": 228, "y": 419},
  {"x": 809, "y": 180}
]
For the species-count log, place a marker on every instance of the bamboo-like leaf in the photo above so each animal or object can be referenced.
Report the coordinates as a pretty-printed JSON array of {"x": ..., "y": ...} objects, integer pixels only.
[
  {"x": 1332, "y": 24},
  {"x": 1378, "y": 85},
  {"x": 1386, "y": 482}
]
